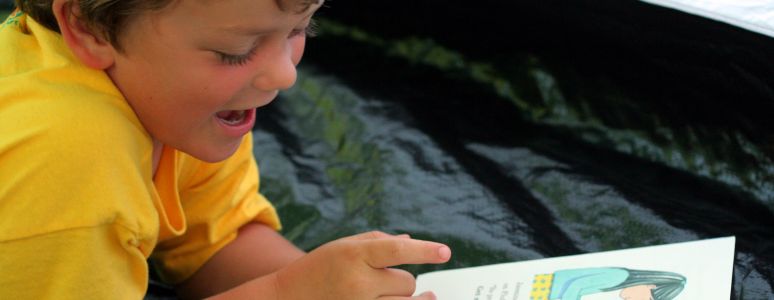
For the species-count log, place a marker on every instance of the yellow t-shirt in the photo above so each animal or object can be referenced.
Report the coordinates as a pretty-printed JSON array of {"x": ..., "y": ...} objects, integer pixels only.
[{"x": 80, "y": 211}]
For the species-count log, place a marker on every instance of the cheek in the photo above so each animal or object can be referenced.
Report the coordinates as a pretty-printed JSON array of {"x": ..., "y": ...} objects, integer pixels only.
[
  {"x": 298, "y": 50},
  {"x": 220, "y": 85}
]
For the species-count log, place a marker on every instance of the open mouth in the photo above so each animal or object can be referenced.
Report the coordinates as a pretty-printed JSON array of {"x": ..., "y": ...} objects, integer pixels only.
[
  {"x": 235, "y": 123},
  {"x": 232, "y": 117}
]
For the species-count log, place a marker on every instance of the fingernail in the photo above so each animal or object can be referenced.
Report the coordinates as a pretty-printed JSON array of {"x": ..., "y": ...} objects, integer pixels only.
[
  {"x": 429, "y": 295},
  {"x": 444, "y": 252}
]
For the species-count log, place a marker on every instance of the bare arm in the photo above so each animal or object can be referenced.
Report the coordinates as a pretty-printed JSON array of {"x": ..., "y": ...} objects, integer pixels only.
[
  {"x": 257, "y": 251},
  {"x": 356, "y": 267}
]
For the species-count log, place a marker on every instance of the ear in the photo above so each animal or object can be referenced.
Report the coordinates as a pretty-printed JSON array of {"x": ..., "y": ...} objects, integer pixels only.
[{"x": 90, "y": 48}]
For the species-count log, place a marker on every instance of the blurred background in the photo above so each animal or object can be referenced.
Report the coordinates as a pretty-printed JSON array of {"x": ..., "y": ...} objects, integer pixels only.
[
  {"x": 517, "y": 130},
  {"x": 5, "y": 8}
]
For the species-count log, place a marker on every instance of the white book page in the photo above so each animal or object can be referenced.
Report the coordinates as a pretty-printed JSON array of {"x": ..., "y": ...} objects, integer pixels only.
[
  {"x": 753, "y": 15},
  {"x": 702, "y": 269}
]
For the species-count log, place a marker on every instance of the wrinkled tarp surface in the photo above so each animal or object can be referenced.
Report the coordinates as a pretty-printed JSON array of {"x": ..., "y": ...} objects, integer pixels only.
[{"x": 515, "y": 131}]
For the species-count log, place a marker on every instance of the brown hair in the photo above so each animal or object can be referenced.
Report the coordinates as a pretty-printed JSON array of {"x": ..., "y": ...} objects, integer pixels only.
[{"x": 108, "y": 17}]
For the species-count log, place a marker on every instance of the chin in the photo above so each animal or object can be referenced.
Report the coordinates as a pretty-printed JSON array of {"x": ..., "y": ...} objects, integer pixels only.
[{"x": 213, "y": 154}]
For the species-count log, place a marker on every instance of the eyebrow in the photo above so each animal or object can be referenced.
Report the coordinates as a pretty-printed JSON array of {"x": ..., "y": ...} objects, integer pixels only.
[
  {"x": 252, "y": 31},
  {"x": 305, "y": 4}
]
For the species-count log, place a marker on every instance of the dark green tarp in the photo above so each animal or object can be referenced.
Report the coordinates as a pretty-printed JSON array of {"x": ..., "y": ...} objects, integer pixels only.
[{"x": 517, "y": 130}]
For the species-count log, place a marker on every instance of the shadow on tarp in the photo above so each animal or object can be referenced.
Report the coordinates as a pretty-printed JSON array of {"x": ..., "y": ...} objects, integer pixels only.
[{"x": 528, "y": 130}]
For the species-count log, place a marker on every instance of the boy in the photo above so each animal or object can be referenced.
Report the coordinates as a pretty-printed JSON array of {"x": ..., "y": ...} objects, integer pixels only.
[{"x": 125, "y": 135}]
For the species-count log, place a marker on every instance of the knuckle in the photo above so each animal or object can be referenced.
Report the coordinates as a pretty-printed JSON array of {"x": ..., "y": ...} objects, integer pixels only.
[
  {"x": 375, "y": 234},
  {"x": 410, "y": 281},
  {"x": 346, "y": 252},
  {"x": 407, "y": 281},
  {"x": 412, "y": 287},
  {"x": 352, "y": 251}
]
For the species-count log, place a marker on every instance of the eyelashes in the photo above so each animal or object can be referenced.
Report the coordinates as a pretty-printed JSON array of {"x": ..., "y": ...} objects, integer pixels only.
[
  {"x": 237, "y": 60},
  {"x": 310, "y": 31}
]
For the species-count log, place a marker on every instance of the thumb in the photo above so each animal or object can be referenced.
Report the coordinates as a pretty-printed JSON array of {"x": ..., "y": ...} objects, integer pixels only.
[{"x": 423, "y": 296}]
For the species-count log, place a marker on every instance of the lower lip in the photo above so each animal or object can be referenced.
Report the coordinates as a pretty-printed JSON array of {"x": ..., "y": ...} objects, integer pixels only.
[{"x": 238, "y": 130}]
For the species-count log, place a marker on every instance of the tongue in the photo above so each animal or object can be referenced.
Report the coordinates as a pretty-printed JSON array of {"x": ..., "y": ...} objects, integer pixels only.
[
  {"x": 226, "y": 114},
  {"x": 231, "y": 115}
]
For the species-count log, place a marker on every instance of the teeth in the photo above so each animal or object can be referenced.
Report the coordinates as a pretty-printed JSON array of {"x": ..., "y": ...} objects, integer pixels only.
[{"x": 232, "y": 117}]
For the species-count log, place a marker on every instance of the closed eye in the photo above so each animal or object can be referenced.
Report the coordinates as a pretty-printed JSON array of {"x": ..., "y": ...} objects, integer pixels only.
[
  {"x": 237, "y": 59},
  {"x": 240, "y": 59}
]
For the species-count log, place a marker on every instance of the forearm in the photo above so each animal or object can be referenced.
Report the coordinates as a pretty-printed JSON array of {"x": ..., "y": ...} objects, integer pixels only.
[
  {"x": 355, "y": 267},
  {"x": 263, "y": 288},
  {"x": 257, "y": 251}
]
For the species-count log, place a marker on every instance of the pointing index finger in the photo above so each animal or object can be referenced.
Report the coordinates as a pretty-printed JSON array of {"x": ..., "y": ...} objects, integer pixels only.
[
  {"x": 385, "y": 253},
  {"x": 374, "y": 235}
]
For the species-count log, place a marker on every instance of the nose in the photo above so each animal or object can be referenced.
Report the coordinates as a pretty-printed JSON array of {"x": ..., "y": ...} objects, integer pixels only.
[{"x": 279, "y": 70}]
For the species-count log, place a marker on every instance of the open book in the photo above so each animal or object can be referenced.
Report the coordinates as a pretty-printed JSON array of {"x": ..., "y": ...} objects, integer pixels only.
[{"x": 690, "y": 270}]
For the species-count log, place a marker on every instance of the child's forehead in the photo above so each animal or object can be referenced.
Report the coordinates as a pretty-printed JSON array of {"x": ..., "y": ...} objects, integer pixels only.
[
  {"x": 258, "y": 13},
  {"x": 298, "y": 6},
  {"x": 238, "y": 17}
]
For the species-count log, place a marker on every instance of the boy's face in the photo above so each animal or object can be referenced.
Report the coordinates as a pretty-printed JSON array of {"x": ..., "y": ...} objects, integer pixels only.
[{"x": 195, "y": 71}]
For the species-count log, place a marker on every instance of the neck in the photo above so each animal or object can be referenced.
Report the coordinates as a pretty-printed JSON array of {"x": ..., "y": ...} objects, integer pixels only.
[{"x": 157, "y": 148}]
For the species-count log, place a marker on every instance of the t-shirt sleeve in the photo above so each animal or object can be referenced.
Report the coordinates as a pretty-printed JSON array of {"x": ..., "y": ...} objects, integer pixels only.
[
  {"x": 69, "y": 220},
  {"x": 217, "y": 199},
  {"x": 76, "y": 263}
]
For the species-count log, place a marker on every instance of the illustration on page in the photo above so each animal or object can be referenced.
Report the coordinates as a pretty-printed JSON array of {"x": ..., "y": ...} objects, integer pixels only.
[{"x": 572, "y": 284}]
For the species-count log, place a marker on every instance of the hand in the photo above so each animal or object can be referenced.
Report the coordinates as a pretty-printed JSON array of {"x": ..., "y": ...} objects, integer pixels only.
[{"x": 357, "y": 267}]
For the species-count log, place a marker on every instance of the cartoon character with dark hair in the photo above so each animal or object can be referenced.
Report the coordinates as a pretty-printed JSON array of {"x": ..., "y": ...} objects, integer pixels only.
[{"x": 572, "y": 284}]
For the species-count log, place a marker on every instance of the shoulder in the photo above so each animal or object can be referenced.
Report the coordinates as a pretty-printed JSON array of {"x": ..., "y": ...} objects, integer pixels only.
[
  {"x": 68, "y": 115},
  {"x": 78, "y": 157},
  {"x": 72, "y": 152}
]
